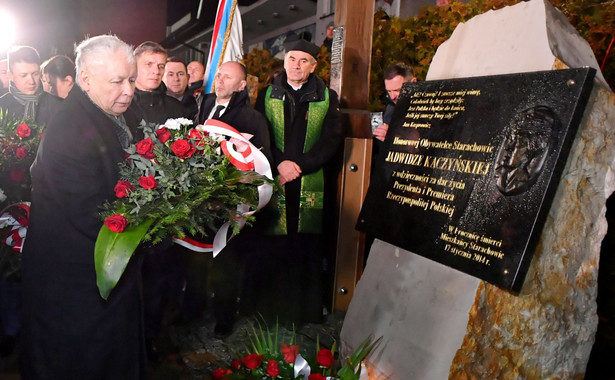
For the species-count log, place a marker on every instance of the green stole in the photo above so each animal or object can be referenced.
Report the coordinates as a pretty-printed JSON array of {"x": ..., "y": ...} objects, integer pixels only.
[{"x": 312, "y": 185}]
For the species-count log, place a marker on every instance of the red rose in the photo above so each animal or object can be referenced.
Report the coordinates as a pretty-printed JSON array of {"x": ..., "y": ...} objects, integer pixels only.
[
  {"x": 116, "y": 223},
  {"x": 182, "y": 148},
  {"x": 163, "y": 134},
  {"x": 236, "y": 364},
  {"x": 324, "y": 357},
  {"x": 123, "y": 188},
  {"x": 252, "y": 361},
  {"x": 21, "y": 152},
  {"x": 148, "y": 182},
  {"x": 22, "y": 130},
  {"x": 197, "y": 135},
  {"x": 146, "y": 148},
  {"x": 17, "y": 174},
  {"x": 220, "y": 373},
  {"x": 272, "y": 368},
  {"x": 316, "y": 376},
  {"x": 289, "y": 352}
]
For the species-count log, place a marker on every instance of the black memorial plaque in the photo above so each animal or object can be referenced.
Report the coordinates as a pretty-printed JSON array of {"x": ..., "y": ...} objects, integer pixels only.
[{"x": 471, "y": 166}]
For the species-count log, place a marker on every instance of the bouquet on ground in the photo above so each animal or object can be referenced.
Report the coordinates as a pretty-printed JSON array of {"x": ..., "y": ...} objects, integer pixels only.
[
  {"x": 270, "y": 359},
  {"x": 180, "y": 181},
  {"x": 19, "y": 142}
]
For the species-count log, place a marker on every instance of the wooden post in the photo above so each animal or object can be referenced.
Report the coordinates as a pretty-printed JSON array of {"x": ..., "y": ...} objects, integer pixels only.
[{"x": 350, "y": 72}]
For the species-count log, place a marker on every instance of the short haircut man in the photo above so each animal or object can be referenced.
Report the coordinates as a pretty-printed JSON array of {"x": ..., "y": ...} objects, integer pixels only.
[
  {"x": 196, "y": 74},
  {"x": 196, "y": 71},
  {"x": 176, "y": 80},
  {"x": 151, "y": 101},
  {"x": 151, "y": 58},
  {"x": 175, "y": 77},
  {"x": 394, "y": 78},
  {"x": 26, "y": 99}
]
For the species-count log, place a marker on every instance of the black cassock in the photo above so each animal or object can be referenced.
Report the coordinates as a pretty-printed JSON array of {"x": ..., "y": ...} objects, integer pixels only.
[{"x": 69, "y": 331}]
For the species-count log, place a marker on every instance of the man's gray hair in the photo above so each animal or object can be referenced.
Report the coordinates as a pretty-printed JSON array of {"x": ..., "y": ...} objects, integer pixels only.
[{"x": 93, "y": 51}]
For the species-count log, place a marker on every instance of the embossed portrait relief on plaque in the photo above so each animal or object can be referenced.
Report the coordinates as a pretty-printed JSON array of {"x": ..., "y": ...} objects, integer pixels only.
[{"x": 471, "y": 167}]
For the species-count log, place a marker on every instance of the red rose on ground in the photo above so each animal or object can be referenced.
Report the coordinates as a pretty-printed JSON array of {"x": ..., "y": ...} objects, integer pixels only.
[
  {"x": 146, "y": 148},
  {"x": 252, "y": 361},
  {"x": 21, "y": 152},
  {"x": 182, "y": 148},
  {"x": 325, "y": 357},
  {"x": 116, "y": 223},
  {"x": 148, "y": 182},
  {"x": 289, "y": 352},
  {"x": 316, "y": 376},
  {"x": 123, "y": 188},
  {"x": 163, "y": 134},
  {"x": 17, "y": 174},
  {"x": 272, "y": 368},
  {"x": 236, "y": 364},
  {"x": 22, "y": 130},
  {"x": 219, "y": 373}
]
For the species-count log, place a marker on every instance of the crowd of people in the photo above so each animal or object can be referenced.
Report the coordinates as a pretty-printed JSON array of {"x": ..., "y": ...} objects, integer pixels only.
[{"x": 91, "y": 109}]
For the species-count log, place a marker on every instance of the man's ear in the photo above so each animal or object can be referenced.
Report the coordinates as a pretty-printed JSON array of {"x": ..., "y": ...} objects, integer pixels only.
[
  {"x": 69, "y": 78},
  {"x": 413, "y": 80},
  {"x": 242, "y": 85},
  {"x": 84, "y": 80}
]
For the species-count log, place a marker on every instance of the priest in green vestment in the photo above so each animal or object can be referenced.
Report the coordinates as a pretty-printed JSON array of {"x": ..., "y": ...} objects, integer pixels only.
[{"x": 306, "y": 134}]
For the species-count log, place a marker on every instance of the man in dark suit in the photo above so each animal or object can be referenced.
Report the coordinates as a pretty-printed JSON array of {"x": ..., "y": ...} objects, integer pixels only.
[
  {"x": 231, "y": 104},
  {"x": 69, "y": 331}
]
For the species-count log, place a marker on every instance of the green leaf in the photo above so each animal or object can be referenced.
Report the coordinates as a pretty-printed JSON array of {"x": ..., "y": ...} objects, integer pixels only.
[{"x": 112, "y": 252}]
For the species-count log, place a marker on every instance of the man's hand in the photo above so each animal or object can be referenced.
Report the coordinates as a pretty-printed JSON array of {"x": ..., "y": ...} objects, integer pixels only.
[
  {"x": 381, "y": 131},
  {"x": 288, "y": 171}
]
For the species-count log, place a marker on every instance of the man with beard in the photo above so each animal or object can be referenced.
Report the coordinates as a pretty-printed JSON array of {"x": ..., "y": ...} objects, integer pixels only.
[{"x": 69, "y": 330}]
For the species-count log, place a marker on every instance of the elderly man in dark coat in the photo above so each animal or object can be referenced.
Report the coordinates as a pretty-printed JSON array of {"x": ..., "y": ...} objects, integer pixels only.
[
  {"x": 69, "y": 331},
  {"x": 306, "y": 134}
]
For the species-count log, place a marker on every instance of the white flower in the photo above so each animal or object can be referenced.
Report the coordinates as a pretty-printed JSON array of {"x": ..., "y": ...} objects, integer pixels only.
[
  {"x": 2, "y": 196},
  {"x": 176, "y": 124}
]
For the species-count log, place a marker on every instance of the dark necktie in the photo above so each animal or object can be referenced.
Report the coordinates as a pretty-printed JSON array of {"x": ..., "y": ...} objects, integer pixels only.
[{"x": 218, "y": 112}]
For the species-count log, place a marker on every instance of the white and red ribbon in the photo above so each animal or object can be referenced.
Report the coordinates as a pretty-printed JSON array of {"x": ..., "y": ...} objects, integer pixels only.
[
  {"x": 245, "y": 156},
  {"x": 14, "y": 225}
]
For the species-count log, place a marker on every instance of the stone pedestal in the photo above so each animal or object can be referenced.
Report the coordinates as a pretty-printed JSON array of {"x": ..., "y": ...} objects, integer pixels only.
[{"x": 439, "y": 323}]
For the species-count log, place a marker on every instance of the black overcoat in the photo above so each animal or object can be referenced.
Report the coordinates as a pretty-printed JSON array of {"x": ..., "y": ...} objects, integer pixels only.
[{"x": 69, "y": 331}]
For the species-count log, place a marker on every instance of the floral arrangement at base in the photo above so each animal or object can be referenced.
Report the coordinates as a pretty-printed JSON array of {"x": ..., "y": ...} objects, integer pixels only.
[
  {"x": 180, "y": 181},
  {"x": 19, "y": 142},
  {"x": 270, "y": 359}
]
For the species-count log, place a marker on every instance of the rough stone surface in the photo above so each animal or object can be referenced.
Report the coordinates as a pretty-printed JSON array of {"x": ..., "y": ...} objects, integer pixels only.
[
  {"x": 548, "y": 330},
  {"x": 528, "y": 36}
]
